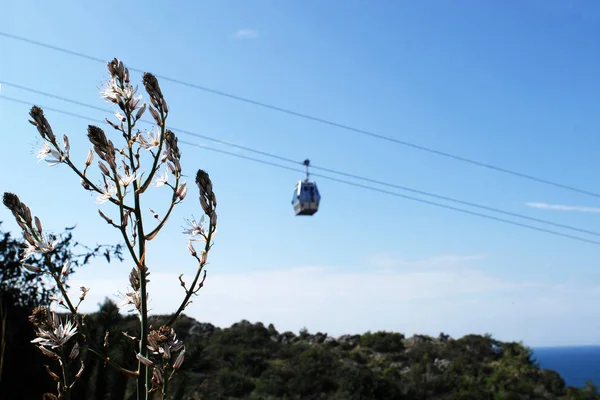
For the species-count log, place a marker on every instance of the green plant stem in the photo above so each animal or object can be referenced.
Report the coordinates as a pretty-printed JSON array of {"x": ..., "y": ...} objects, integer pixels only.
[
  {"x": 166, "y": 217},
  {"x": 190, "y": 291},
  {"x": 165, "y": 388},
  {"x": 122, "y": 217},
  {"x": 56, "y": 277},
  {"x": 65, "y": 373},
  {"x": 143, "y": 380},
  {"x": 62, "y": 289},
  {"x": 129, "y": 245},
  {"x": 111, "y": 363}
]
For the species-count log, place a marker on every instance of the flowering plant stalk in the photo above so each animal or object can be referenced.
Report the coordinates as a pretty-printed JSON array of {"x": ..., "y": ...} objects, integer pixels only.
[{"x": 123, "y": 182}]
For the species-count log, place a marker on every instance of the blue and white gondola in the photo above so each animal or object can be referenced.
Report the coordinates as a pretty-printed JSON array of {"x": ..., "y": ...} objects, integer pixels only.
[{"x": 306, "y": 196}]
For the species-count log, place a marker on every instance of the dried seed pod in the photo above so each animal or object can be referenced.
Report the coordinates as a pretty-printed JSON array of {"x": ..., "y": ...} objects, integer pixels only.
[
  {"x": 98, "y": 138},
  {"x": 207, "y": 197},
  {"x": 153, "y": 88},
  {"x": 42, "y": 124}
]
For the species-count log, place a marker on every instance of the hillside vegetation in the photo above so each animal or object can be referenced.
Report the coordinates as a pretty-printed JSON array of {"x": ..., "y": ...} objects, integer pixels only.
[{"x": 254, "y": 361}]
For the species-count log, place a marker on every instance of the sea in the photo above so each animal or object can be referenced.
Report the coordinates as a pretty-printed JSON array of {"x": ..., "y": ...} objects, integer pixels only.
[{"x": 576, "y": 365}]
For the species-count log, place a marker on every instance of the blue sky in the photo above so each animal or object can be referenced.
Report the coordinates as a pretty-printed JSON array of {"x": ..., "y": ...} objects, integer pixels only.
[{"x": 514, "y": 84}]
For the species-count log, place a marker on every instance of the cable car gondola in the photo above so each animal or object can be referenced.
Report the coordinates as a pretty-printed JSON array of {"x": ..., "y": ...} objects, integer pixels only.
[{"x": 306, "y": 196}]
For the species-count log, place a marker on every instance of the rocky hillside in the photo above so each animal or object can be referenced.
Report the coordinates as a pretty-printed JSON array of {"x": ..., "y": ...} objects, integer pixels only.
[{"x": 254, "y": 361}]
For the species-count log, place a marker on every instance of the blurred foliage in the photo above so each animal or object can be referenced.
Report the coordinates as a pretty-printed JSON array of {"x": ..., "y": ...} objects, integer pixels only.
[
  {"x": 19, "y": 287},
  {"x": 20, "y": 291},
  {"x": 251, "y": 361}
]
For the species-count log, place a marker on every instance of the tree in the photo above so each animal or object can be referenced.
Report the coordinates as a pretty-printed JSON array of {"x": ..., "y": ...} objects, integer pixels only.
[
  {"x": 20, "y": 286},
  {"x": 21, "y": 290}
]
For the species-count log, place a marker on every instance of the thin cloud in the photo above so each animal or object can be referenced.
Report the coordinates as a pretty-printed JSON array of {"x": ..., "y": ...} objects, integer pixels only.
[
  {"x": 563, "y": 207},
  {"x": 456, "y": 301},
  {"x": 246, "y": 34},
  {"x": 441, "y": 261},
  {"x": 291, "y": 296}
]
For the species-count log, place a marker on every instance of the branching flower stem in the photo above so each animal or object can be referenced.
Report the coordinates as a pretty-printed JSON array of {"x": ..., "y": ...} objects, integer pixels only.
[
  {"x": 143, "y": 380},
  {"x": 122, "y": 227},
  {"x": 61, "y": 287},
  {"x": 192, "y": 289},
  {"x": 165, "y": 389},
  {"x": 65, "y": 374},
  {"x": 56, "y": 277},
  {"x": 159, "y": 349},
  {"x": 162, "y": 223},
  {"x": 127, "y": 372},
  {"x": 73, "y": 311},
  {"x": 93, "y": 186}
]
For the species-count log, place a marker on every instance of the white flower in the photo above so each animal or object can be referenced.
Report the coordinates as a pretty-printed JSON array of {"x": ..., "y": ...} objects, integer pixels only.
[
  {"x": 65, "y": 268},
  {"x": 29, "y": 250},
  {"x": 152, "y": 141},
  {"x": 196, "y": 228},
  {"x": 57, "y": 337},
  {"x": 46, "y": 151},
  {"x": 162, "y": 180},
  {"x": 111, "y": 92},
  {"x": 127, "y": 179},
  {"x": 110, "y": 191},
  {"x": 115, "y": 94},
  {"x": 135, "y": 101},
  {"x": 67, "y": 147},
  {"x": 46, "y": 244},
  {"x": 129, "y": 95},
  {"x": 120, "y": 117}
]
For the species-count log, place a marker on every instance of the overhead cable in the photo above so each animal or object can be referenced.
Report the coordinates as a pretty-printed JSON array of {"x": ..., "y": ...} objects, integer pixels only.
[
  {"x": 578, "y": 238},
  {"x": 316, "y": 119},
  {"x": 317, "y": 167}
]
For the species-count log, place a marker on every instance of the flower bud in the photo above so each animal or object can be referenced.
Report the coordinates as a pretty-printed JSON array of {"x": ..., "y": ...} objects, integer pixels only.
[
  {"x": 32, "y": 268},
  {"x": 90, "y": 157},
  {"x": 191, "y": 248},
  {"x": 182, "y": 191}
]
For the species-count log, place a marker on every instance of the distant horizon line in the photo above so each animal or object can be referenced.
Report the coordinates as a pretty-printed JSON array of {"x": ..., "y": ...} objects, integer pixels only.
[{"x": 565, "y": 346}]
